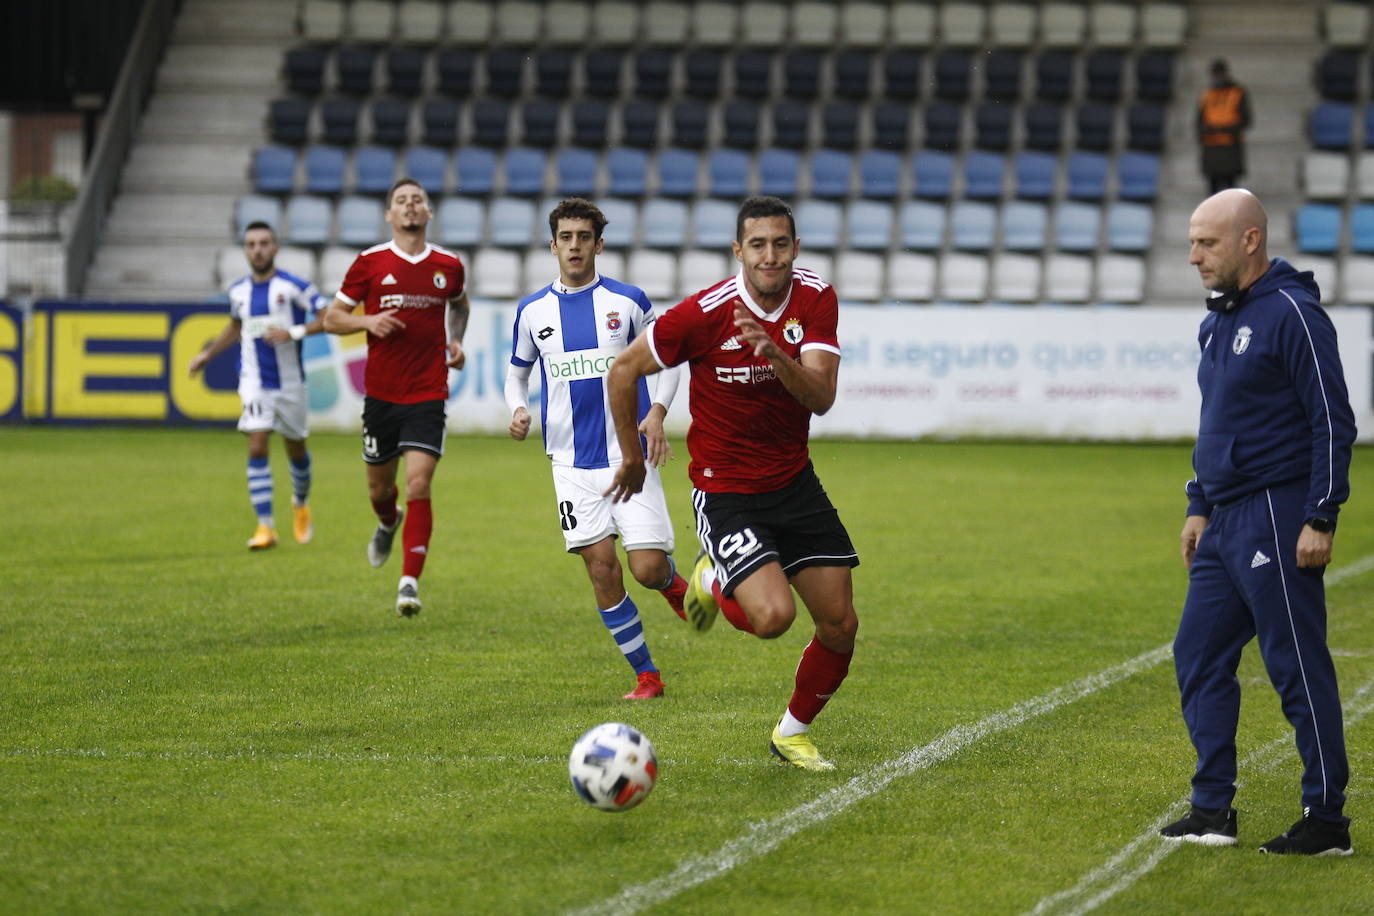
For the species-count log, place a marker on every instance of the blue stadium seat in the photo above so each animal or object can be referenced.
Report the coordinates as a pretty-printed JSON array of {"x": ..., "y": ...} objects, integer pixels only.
[
  {"x": 870, "y": 225},
  {"x": 802, "y": 74},
  {"x": 933, "y": 171},
  {"x": 1087, "y": 175},
  {"x": 665, "y": 223},
  {"x": 1002, "y": 75},
  {"x": 944, "y": 123},
  {"x": 713, "y": 224},
  {"x": 304, "y": 68},
  {"x": 1035, "y": 175},
  {"x": 728, "y": 173},
  {"x": 576, "y": 169},
  {"x": 354, "y": 66},
  {"x": 405, "y": 67},
  {"x": 628, "y": 171},
  {"x": 253, "y": 208},
  {"x": 922, "y": 225},
  {"x": 427, "y": 164},
  {"x": 742, "y": 124},
  {"x": 1023, "y": 225},
  {"x": 840, "y": 125},
  {"x": 983, "y": 174},
  {"x": 753, "y": 69},
  {"x": 880, "y": 174},
  {"x": 601, "y": 73},
  {"x": 891, "y": 125},
  {"x": 902, "y": 75},
  {"x": 360, "y": 221},
  {"x": 1154, "y": 76},
  {"x": 461, "y": 222},
  {"x": 952, "y": 79},
  {"x": 339, "y": 118},
  {"x": 475, "y": 168},
  {"x": 1362, "y": 229},
  {"x": 1094, "y": 123},
  {"x": 973, "y": 225},
  {"x": 1076, "y": 226},
  {"x": 677, "y": 172},
  {"x": 511, "y": 222},
  {"x": 1338, "y": 75},
  {"x": 506, "y": 71},
  {"x": 374, "y": 169},
  {"x": 791, "y": 124},
  {"x": 1330, "y": 124},
  {"x": 390, "y": 122},
  {"x": 1369, "y": 126},
  {"x": 524, "y": 168},
  {"x": 639, "y": 124},
  {"x": 622, "y": 222},
  {"x": 539, "y": 118},
  {"x": 553, "y": 73},
  {"x": 778, "y": 170},
  {"x": 832, "y": 172},
  {"x": 440, "y": 122},
  {"x": 702, "y": 67},
  {"x": 1145, "y": 126},
  {"x": 653, "y": 68},
  {"x": 992, "y": 126},
  {"x": 853, "y": 77},
  {"x": 1054, "y": 76},
  {"x": 324, "y": 169},
  {"x": 1129, "y": 226},
  {"x": 1102, "y": 69},
  {"x": 307, "y": 221},
  {"x": 691, "y": 124},
  {"x": 1137, "y": 176},
  {"x": 1318, "y": 228},
  {"x": 818, "y": 224},
  {"x": 591, "y": 120},
  {"x": 1044, "y": 123},
  {"x": 454, "y": 67},
  {"x": 490, "y": 123},
  {"x": 274, "y": 169},
  {"x": 289, "y": 120}
]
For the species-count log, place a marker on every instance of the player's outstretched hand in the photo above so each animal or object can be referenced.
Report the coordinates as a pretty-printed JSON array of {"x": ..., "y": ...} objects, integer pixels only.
[
  {"x": 628, "y": 481},
  {"x": 519, "y": 424},
  {"x": 755, "y": 336},
  {"x": 456, "y": 356},
  {"x": 383, "y": 323}
]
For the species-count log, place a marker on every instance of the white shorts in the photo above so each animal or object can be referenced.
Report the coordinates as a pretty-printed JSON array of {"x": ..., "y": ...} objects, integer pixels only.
[
  {"x": 281, "y": 410},
  {"x": 586, "y": 516}
]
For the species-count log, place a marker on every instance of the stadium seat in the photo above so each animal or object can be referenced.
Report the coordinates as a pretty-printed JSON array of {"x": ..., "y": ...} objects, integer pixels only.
[
  {"x": 289, "y": 120},
  {"x": 371, "y": 21},
  {"x": 818, "y": 224},
  {"x": 778, "y": 172},
  {"x": 1054, "y": 76},
  {"x": 853, "y": 74},
  {"x": 1002, "y": 75},
  {"x": 553, "y": 69},
  {"x": 511, "y": 223},
  {"x": 322, "y": 21},
  {"x": 952, "y": 75},
  {"x": 691, "y": 124},
  {"x": 983, "y": 175},
  {"x": 419, "y": 22},
  {"x": 921, "y": 225},
  {"x": 1345, "y": 25},
  {"x": 992, "y": 126},
  {"x": 639, "y": 124},
  {"x": 902, "y": 78},
  {"x": 859, "y": 276},
  {"x": 1063, "y": 24},
  {"x": 1011, "y": 25},
  {"x": 360, "y": 221},
  {"x": 490, "y": 123},
  {"x": 1154, "y": 76},
  {"x": 713, "y": 225},
  {"x": 497, "y": 274},
  {"x": 1129, "y": 226},
  {"x": 390, "y": 122},
  {"x": 655, "y": 272},
  {"x": 1364, "y": 176},
  {"x": 677, "y": 172},
  {"x": 1016, "y": 278},
  {"x": 961, "y": 24},
  {"x": 1035, "y": 175},
  {"x": 832, "y": 173},
  {"x": 567, "y": 23},
  {"x": 1358, "y": 273},
  {"x": 1326, "y": 272},
  {"x": 576, "y": 170},
  {"x": 615, "y": 23},
  {"x": 1087, "y": 175},
  {"x": 944, "y": 123},
  {"x": 539, "y": 120},
  {"x": 753, "y": 71},
  {"x": 1325, "y": 175},
  {"x": 880, "y": 174},
  {"x": 715, "y": 24},
  {"x": 1068, "y": 278},
  {"x": 1163, "y": 24},
  {"x": 470, "y": 22},
  {"x": 972, "y": 225},
  {"x": 1338, "y": 75},
  {"x": 933, "y": 174},
  {"x": 653, "y": 70},
  {"x": 524, "y": 171},
  {"x": 840, "y": 125},
  {"x": 741, "y": 124},
  {"x": 591, "y": 120},
  {"x": 701, "y": 67},
  {"x": 1145, "y": 126},
  {"x": 324, "y": 169},
  {"x": 519, "y": 22},
  {"x": 870, "y": 225},
  {"x": 664, "y": 223},
  {"x": 912, "y": 25},
  {"x": 374, "y": 169},
  {"x": 815, "y": 23},
  {"x": 505, "y": 68},
  {"x": 801, "y": 74},
  {"x": 461, "y": 222},
  {"x": 627, "y": 171},
  {"x": 665, "y": 22},
  {"x": 307, "y": 221},
  {"x": 1094, "y": 123},
  {"x": 439, "y": 119},
  {"x": 863, "y": 23},
  {"x": 304, "y": 69},
  {"x": 405, "y": 69},
  {"x": 698, "y": 270},
  {"x": 475, "y": 168},
  {"x": 1112, "y": 24},
  {"x": 354, "y": 67},
  {"x": 728, "y": 174},
  {"x": 1044, "y": 123},
  {"x": 274, "y": 170},
  {"x": 427, "y": 165},
  {"x": 1023, "y": 226},
  {"x": 1362, "y": 229},
  {"x": 1330, "y": 125},
  {"x": 1120, "y": 278},
  {"x": 230, "y": 266},
  {"x": 891, "y": 125},
  {"x": 339, "y": 118},
  {"x": 963, "y": 277},
  {"x": 622, "y": 223},
  {"x": 454, "y": 67},
  {"x": 1369, "y": 126},
  {"x": 910, "y": 277},
  {"x": 763, "y": 23},
  {"x": 602, "y": 73},
  {"x": 791, "y": 124},
  {"x": 252, "y": 208},
  {"x": 1137, "y": 176},
  {"x": 610, "y": 263},
  {"x": 1076, "y": 226}
]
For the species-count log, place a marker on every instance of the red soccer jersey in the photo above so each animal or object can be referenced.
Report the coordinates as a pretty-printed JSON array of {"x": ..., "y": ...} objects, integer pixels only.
[
  {"x": 408, "y": 365},
  {"x": 748, "y": 433}
]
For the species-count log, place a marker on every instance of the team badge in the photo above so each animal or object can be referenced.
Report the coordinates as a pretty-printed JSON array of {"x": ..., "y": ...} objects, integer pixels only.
[
  {"x": 440, "y": 281},
  {"x": 281, "y": 300},
  {"x": 1242, "y": 341},
  {"x": 792, "y": 331},
  {"x": 613, "y": 321}
]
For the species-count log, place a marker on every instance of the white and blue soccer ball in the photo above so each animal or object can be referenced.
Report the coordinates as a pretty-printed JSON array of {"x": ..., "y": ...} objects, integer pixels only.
[{"x": 613, "y": 767}]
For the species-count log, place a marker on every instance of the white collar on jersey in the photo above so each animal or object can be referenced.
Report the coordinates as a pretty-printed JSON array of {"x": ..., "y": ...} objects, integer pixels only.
[
  {"x": 743, "y": 292},
  {"x": 559, "y": 288},
  {"x": 412, "y": 258}
]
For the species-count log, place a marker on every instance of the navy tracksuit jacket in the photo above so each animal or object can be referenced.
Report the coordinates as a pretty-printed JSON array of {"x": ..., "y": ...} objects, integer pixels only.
[{"x": 1273, "y": 450}]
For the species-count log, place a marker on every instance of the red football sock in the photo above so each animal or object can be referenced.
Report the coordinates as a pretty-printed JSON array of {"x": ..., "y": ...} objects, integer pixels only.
[
  {"x": 386, "y": 509},
  {"x": 731, "y": 609},
  {"x": 819, "y": 675},
  {"x": 415, "y": 536}
]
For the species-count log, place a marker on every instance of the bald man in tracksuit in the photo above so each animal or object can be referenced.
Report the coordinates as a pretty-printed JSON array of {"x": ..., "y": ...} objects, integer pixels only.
[{"x": 1272, "y": 457}]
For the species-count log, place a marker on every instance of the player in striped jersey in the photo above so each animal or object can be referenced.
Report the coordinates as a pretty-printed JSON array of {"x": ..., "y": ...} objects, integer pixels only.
[
  {"x": 270, "y": 312},
  {"x": 574, "y": 328}
]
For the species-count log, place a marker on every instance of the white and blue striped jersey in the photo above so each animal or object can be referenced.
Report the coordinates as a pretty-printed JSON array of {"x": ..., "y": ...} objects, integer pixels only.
[
  {"x": 280, "y": 301},
  {"x": 575, "y": 334}
]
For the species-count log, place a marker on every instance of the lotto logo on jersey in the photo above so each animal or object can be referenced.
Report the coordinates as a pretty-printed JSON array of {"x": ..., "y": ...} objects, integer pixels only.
[
  {"x": 440, "y": 281},
  {"x": 579, "y": 364}
]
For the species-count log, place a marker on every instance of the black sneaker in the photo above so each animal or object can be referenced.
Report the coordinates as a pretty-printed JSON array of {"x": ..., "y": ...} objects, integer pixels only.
[
  {"x": 1313, "y": 836},
  {"x": 379, "y": 548},
  {"x": 1205, "y": 826}
]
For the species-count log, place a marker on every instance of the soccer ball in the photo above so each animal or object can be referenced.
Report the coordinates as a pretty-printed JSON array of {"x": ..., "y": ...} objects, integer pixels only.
[{"x": 613, "y": 767}]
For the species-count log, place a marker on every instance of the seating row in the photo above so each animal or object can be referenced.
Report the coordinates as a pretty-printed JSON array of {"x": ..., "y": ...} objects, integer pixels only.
[
  {"x": 724, "y": 173},
  {"x": 1345, "y": 23},
  {"x": 864, "y": 225},
  {"x": 758, "y": 73},
  {"x": 1331, "y": 175},
  {"x": 1331, "y": 125},
  {"x": 506, "y": 274},
  {"x": 714, "y": 23},
  {"x": 1321, "y": 228},
  {"x": 1337, "y": 75},
  {"x": 739, "y": 124}
]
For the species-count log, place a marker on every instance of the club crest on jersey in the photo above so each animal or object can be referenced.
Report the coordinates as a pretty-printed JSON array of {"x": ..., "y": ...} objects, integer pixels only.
[
  {"x": 613, "y": 321},
  {"x": 440, "y": 281},
  {"x": 792, "y": 331},
  {"x": 1242, "y": 341}
]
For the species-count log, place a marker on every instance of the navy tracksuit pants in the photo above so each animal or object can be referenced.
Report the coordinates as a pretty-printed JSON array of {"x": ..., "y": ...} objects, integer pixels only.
[{"x": 1244, "y": 583}]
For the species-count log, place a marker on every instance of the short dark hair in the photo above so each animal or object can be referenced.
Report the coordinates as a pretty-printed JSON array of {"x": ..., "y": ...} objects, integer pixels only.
[
  {"x": 760, "y": 207},
  {"x": 1219, "y": 67},
  {"x": 260, "y": 224},
  {"x": 577, "y": 208},
  {"x": 401, "y": 183}
]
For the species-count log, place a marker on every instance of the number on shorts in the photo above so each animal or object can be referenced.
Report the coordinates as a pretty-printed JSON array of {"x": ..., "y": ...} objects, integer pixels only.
[
  {"x": 369, "y": 445},
  {"x": 742, "y": 542},
  {"x": 565, "y": 516}
]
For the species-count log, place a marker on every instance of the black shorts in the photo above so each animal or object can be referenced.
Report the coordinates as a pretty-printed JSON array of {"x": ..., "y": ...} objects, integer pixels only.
[
  {"x": 795, "y": 527},
  {"x": 389, "y": 429}
]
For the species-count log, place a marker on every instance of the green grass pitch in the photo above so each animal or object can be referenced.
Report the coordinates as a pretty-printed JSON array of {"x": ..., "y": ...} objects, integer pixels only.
[{"x": 185, "y": 726}]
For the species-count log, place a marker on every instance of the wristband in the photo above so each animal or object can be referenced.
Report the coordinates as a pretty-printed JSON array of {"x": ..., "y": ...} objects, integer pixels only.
[{"x": 297, "y": 331}]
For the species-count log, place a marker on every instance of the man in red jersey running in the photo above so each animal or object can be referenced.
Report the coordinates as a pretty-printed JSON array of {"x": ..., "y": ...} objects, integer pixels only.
[
  {"x": 764, "y": 357},
  {"x": 415, "y": 310}
]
